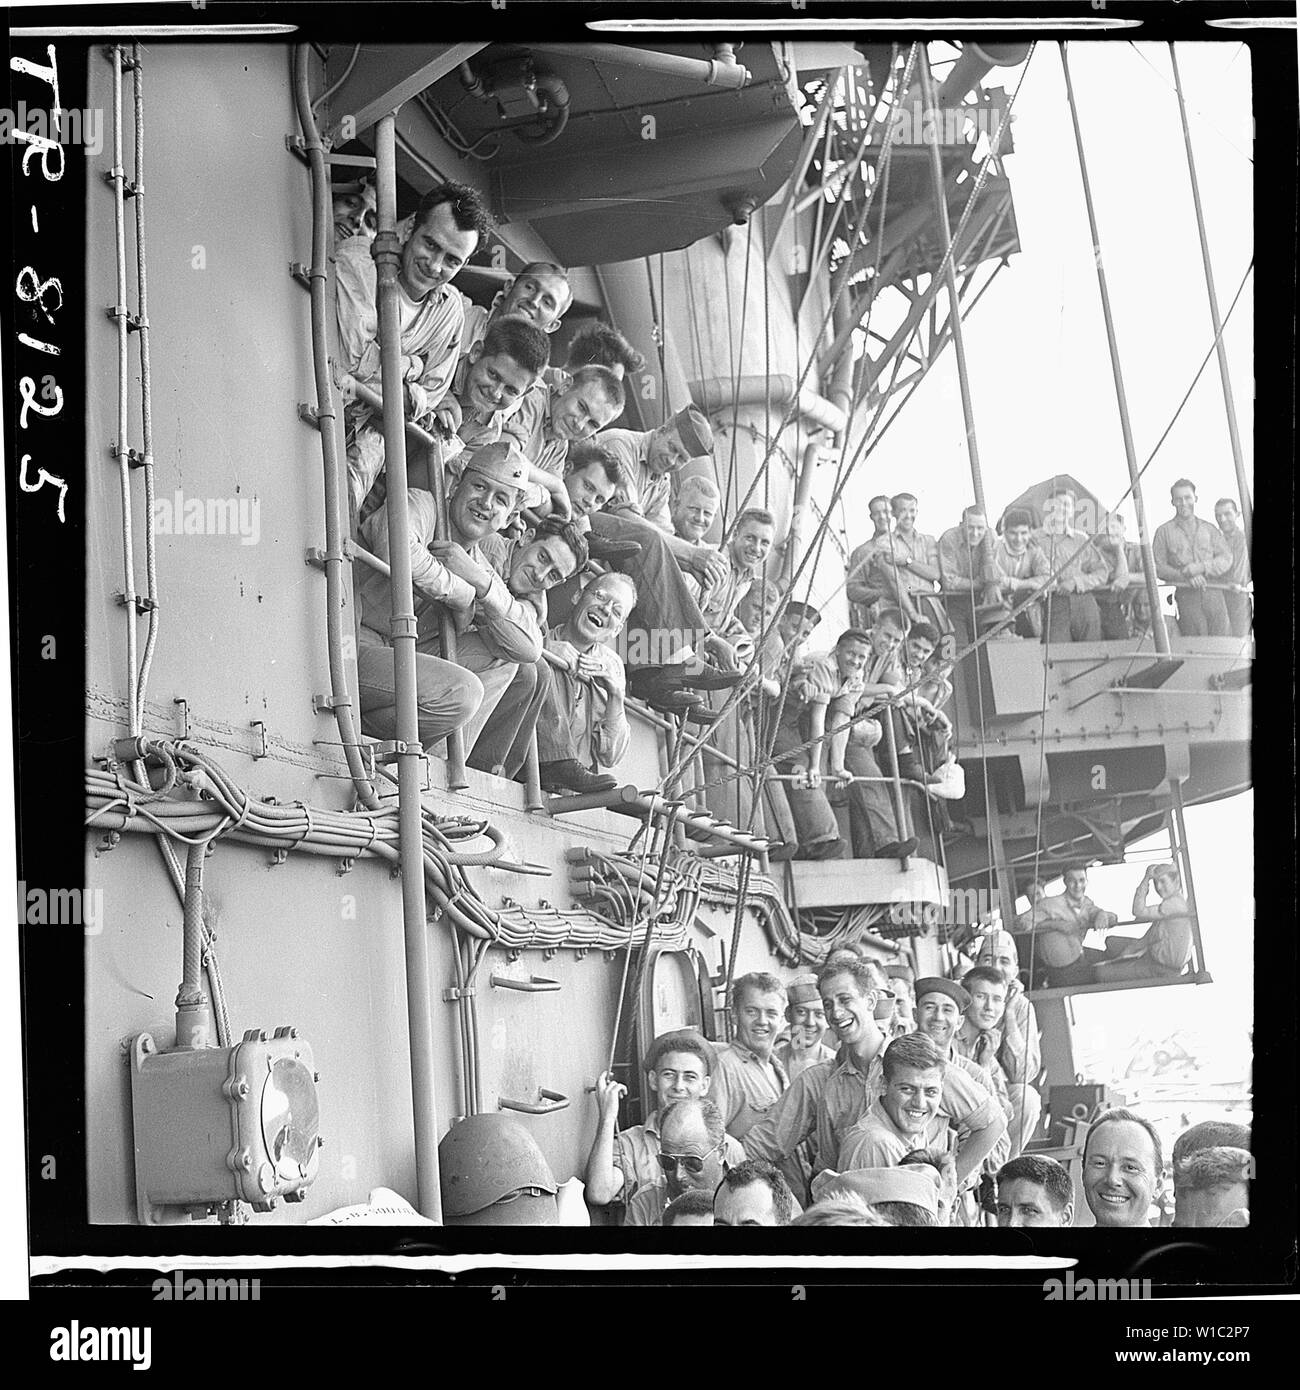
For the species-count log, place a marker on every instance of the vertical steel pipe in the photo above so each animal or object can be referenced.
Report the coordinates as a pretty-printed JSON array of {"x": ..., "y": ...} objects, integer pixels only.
[
  {"x": 1183, "y": 859},
  {"x": 1158, "y": 630},
  {"x": 950, "y": 274},
  {"x": 387, "y": 254},
  {"x": 118, "y": 177},
  {"x": 1229, "y": 405}
]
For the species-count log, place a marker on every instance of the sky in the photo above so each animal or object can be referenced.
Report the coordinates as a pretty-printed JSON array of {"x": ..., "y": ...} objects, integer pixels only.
[{"x": 1044, "y": 397}]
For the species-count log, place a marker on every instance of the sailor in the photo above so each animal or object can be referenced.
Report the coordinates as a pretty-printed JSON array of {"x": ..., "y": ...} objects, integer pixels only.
[
  {"x": 906, "y": 1115},
  {"x": 1212, "y": 1188},
  {"x": 803, "y": 1047},
  {"x": 1079, "y": 570},
  {"x": 540, "y": 293},
  {"x": 492, "y": 1173},
  {"x": 694, "y": 510},
  {"x": 553, "y": 416},
  {"x": 965, "y": 555},
  {"x": 862, "y": 585},
  {"x": 926, "y": 727},
  {"x": 754, "y": 1193},
  {"x": 1236, "y": 598},
  {"x": 1167, "y": 946},
  {"x": 940, "y": 1009},
  {"x": 650, "y": 460},
  {"x": 492, "y": 379},
  {"x": 821, "y": 696},
  {"x": 828, "y": 1099},
  {"x": 680, "y": 1066},
  {"x": 692, "y": 1208},
  {"x": 979, "y": 1037},
  {"x": 597, "y": 344},
  {"x": 902, "y": 1195},
  {"x": 355, "y": 209},
  {"x": 1061, "y": 921},
  {"x": 1034, "y": 1190},
  {"x": 447, "y": 228},
  {"x": 495, "y": 630},
  {"x": 797, "y": 624},
  {"x": 692, "y": 1147},
  {"x": 906, "y": 564},
  {"x": 1020, "y": 568},
  {"x": 1194, "y": 555},
  {"x": 532, "y": 564},
  {"x": 584, "y": 717},
  {"x": 881, "y": 829},
  {"x": 1115, "y": 596},
  {"x": 1123, "y": 1168},
  {"x": 749, "y": 1079},
  {"x": 1021, "y": 1050}
]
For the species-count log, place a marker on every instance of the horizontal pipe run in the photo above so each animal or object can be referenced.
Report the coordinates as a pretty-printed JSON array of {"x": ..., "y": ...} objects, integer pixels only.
[
  {"x": 629, "y": 801},
  {"x": 774, "y": 393},
  {"x": 711, "y": 72}
]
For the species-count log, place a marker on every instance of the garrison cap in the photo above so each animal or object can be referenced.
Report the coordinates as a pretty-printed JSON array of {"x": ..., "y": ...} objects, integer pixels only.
[
  {"x": 502, "y": 462},
  {"x": 936, "y": 984}
]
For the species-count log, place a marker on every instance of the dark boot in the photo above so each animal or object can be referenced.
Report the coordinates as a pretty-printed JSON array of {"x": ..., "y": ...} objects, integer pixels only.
[{"x": 568, "y": 775}]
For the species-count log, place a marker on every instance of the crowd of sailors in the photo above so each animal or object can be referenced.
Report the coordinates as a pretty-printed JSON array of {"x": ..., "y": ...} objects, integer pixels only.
[
  {"x": 861, "y": 1096},
  {"x": 573, "y": 564}
]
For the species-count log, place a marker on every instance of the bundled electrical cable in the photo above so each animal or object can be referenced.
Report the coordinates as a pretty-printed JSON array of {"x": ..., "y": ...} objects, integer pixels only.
[{"x": 217, "y": 808}]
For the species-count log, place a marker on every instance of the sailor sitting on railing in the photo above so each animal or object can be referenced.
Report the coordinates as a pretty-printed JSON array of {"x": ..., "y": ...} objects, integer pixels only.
[
  {"x": 1060, "y": 922},
  {"x": 584, "y": 716},
  {"x": 880, "y": 823},
  {"x": 497, "y": 631},
  {"x": 667, "y": 626},
  {"x": 1167, "y": 946},
  {"x": 448, "y": 226},
  {"x": 821, "y": 695},
  {"x": 532, "y": 565}
]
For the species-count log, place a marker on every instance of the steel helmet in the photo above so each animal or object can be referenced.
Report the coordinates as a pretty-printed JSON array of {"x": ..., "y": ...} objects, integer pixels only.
[{"x": 494, "y": 1174}]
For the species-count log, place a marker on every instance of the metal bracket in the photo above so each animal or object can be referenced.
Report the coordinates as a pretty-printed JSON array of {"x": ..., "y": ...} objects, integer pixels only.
[
  {"x": 134, "y": 458},
  {"x": 129, "y": 64},
  {"x": 185, "y": 716},
  {"x": 301, "y": 273},
  {"x": 309, "y": 415},
  {"x": 297, "y": 146},
  {"x": 134, "y": 322},
  {"x": 129, "y": 187},
  {"x": 345, "y": 866},
  {"x": 260, "y": 726},
  {"x": 454, "y": 992},
  {"x": 142, "y": 605},
  {"x": 323, "y": 704},
  {"x": 279, "y": 856},
  {"x": 111, "y": 840}
]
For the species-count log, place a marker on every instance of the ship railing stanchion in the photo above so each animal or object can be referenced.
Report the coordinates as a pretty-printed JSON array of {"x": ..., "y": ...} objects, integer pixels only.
[{"x": 387, "y": 254}]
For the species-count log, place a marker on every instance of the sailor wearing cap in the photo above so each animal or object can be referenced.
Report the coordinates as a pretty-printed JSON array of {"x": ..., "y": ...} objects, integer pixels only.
[
  {"x": 803, "y": 1046},
  {"x": 496, "y": 631}
]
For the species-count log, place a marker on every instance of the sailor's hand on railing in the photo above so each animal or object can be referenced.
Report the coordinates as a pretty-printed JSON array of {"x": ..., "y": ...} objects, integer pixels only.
[
  {"x": 1197, "y": 581},
  {"x": 447, "y": 415},
  {"x": 805, "y": 778},
  {"x": 457, "y": 559},
  {"x": 840, "y": 776}
]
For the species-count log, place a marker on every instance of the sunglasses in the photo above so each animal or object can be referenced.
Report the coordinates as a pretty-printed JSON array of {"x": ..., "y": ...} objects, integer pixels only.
[{"x": 690, "y": 1163}]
